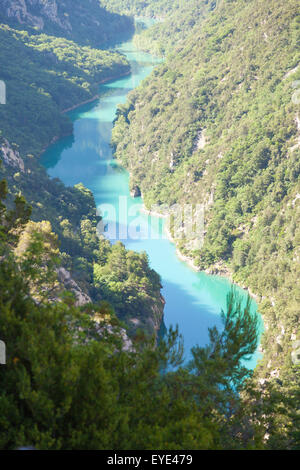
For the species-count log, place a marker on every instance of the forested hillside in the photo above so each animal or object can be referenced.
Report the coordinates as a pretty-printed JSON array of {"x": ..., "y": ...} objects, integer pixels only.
[
  {"x": 73, "y": 381},
  {"x": 175, "y": 20},
  {"x": 45, "y": 75},
  {"x": 130, "y": 286},
  {"x": 69, "y": 382},
  {"x": 86, "y": 22},
  {"x": 179, "y": 22},
  {"x": 218, "y": 124}
]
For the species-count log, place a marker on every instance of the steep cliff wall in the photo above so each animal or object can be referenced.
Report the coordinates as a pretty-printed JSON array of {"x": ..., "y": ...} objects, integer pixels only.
[
  {"x": 10, "y": 156},
  {"x": 218, "y": 124},
  {"x": 86, "y": 22}
]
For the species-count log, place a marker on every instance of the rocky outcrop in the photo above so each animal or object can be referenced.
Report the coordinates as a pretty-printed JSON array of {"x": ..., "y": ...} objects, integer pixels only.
[
  {"x": 65, "y": 278},
  {"x": 135, "y": 192},
  {"x": 84, "y": 21},
  {"x": 156, "y": 319},
  {"x": 151, "y": 322},
  {"x": 35, "y": 13},
  {"x": 219, "y": 269},
  {"x": 200, "y": 141},
  {"x": 108, "y": 329},
  {"x": 11, "y": 157},
  {"x": 82, "y": 299}
]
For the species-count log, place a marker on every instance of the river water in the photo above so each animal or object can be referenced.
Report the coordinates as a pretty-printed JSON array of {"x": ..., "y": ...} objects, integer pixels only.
[{"x": 193, "y": 300}]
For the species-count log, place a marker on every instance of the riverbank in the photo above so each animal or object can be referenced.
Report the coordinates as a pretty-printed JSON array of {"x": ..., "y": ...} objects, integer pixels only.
[
  {"x": 194, "y": 300},
  {"x": 82, "y": 103},
  {"x": 97, "y": 96},
  {"x": 214, "y": 270},
  {"x": 217, "y": 269}
]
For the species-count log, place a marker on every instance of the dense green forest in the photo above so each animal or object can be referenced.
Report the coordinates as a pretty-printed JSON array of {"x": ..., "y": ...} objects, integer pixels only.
[
  {"x": 45, "y": 75},
  {"x": 146, "y": 8},
  {"x": 73, "y": 218},
  {"x": 86, "y": 22},
  {"x": 70, "y": 384},
  {"x": 215, "y": 124},
  {"x": 182, "y": 20},
  {"x": 218, "y": 124}
]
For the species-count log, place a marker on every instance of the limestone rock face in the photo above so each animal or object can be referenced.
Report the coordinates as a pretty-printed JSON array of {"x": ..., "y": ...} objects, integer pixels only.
[
  {"x": 127, "y": 343},
  {"x": 11, "y": 157},
  {"x": 153, "y": 322},
  {"x": 84, "y": 21},
  {"x": 34, "y": 13},
  {"x": 81, "y": 297}
]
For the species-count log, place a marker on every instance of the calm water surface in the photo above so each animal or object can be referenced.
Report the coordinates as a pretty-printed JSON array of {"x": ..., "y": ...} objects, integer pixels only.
[{"x": 193, "y": 300}]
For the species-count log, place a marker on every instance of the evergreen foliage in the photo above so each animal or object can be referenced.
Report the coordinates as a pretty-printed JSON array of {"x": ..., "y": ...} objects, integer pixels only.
[
  {"x": 214, "y": 124},
  {"x": 85, "y": 22},
  {"x": 69, "y": 385},
  {"x": 45, "y": 75},
  {"x": 218, "y": 124}
]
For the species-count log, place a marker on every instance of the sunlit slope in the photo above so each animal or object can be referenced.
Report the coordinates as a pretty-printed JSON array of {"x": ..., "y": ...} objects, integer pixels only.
[{"x": 218, "y": 124}]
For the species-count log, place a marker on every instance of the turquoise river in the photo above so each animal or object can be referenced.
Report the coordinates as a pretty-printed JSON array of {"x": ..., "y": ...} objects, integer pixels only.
[{"x": 193, "y": 300}]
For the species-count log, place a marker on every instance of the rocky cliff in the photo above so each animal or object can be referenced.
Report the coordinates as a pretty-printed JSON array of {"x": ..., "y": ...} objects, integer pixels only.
[
  {"x": 10, "y": 156},
  {"x": 34, "y": 13},
  {"x": 87, "y": 21}
]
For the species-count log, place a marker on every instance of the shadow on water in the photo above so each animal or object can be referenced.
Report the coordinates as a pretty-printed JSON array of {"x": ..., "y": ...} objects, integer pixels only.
[
  {"x": 137, "y": 64},
  {"x": 105, "y": 91},
  {"x": 76, "y": 114},
  {"x": 193, "y": 317},
  {"x": 115, "y": 92},
  {"x": 53, "y": 154}
]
